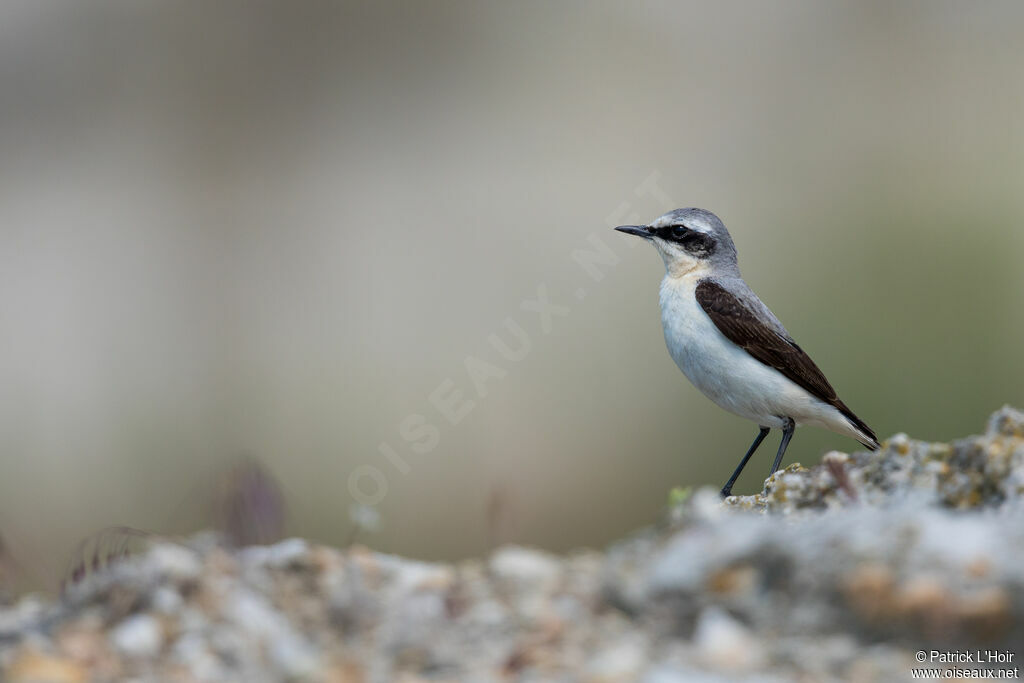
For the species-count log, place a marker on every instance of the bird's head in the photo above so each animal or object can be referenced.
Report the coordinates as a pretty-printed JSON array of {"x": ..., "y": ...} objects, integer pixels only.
[{"x": 689, "y": 240}]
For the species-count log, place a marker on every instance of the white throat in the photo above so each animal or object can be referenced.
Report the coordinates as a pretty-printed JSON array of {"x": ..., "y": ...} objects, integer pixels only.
[{"x": 680, "y": 264}]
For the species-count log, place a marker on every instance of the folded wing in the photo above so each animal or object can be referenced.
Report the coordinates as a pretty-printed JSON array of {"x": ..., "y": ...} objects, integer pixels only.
[{"x": 775, "y": 349}]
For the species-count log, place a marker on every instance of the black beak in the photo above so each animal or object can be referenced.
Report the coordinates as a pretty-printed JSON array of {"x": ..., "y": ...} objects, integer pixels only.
[{"x": 638, "y": 230}]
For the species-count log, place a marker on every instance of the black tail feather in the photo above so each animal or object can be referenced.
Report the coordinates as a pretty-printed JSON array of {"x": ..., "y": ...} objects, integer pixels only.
[{"x": 859, "y": 425}]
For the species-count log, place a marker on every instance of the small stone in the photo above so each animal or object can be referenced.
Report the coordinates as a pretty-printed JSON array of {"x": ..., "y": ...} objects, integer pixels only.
[
  {"x": 733, "y": 580},
  {"x": 706, "y": 504},
  {"x": 1007, "y": 421},
  {"x": 514, "y": 563},
  {"x": 35, "y": 667},
  {"x": 277, "y": 556},
  {"x": 174, "y": 561},
  {"x": 869, "y": 591},
  {"x": 138, "y": 636},
  {"x": 987, "y": 614},
  {"x": 193, "y": 651},
  {"x": 623, "y": 661},
  {"x": 979, "y": 568},
  {"x": 166, "y": 600},
  {"x": 294, "y": 657},
  {"x": 927, "y": 601},
  {"x": 724, "y": 643}
]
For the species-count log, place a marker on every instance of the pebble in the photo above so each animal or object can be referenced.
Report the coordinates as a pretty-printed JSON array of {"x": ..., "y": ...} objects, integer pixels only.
[
  {"x": 514, "y": 563},
  {"x": 276, "y": 556},
  {"x": 138, "y": 636},
  {"x": 724, "y": 644}
]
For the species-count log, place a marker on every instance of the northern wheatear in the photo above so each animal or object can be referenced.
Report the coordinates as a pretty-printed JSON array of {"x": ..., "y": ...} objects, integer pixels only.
[{"x": 727, "y": 342}]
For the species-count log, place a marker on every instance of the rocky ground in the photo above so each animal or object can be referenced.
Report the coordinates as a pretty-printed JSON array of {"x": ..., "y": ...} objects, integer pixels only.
[{"x": 841, "y": 572}]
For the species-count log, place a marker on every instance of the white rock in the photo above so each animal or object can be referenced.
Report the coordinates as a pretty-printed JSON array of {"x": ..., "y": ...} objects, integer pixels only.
[
  {"x": 295, "y": 657},
  {"x": 192, "y": 651},
  {"x": 410, "y": 576},
  {"x": 623, "y": 661},
  {"x": 278, "y": 555},
  {"x": 707, "y": 504},
  {"x": 488, "y": 613},
  {"x": 174, "y": 561},
  {"x": 167, "y": 600},
  {"x": 524, "y": 564},
  {"x": 725, "y": 644},
  {"x": 138, "y": 636},
  {"x": 289, "y": 651}
]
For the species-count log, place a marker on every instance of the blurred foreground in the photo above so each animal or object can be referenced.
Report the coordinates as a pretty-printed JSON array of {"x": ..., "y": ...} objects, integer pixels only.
[{"x": 839, "y": 573}]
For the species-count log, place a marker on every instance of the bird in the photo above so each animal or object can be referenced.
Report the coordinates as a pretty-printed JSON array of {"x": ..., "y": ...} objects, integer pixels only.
[{"x": 730, "y": 345}]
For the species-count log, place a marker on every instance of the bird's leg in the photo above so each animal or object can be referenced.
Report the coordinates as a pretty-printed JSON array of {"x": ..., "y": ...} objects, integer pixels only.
[
  {"x": 787, "y": 434},
  {"x": 727, "y": 489}
]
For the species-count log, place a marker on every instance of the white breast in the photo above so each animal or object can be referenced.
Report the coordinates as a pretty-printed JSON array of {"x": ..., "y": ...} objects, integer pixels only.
[{"x": 727, "y": 374}]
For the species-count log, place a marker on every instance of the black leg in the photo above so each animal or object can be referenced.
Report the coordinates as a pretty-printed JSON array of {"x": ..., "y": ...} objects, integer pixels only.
[
  {"x": 727, "y": 489},
  {"x": 787, "y": 434}
]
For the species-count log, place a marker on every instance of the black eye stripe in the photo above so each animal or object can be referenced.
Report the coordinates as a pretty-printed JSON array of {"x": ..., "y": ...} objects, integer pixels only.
[
  {"x": 697, "y": 243},
  {"x": 673, "y": 233},
  {"x": 678, "y": 233}
]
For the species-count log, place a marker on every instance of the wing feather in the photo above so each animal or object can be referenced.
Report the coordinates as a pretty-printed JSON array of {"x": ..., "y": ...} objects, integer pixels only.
[{"x": 768, "y": 345}]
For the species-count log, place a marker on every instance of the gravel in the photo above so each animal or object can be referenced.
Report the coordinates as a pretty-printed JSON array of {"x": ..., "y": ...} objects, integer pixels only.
[{"x": 840, "y": 572}]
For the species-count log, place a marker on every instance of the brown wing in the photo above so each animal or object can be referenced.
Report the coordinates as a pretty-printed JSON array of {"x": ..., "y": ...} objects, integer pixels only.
[{"x": 773, "y": 348}]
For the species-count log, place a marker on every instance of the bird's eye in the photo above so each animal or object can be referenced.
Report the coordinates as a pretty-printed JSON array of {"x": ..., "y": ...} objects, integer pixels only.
[{"x": 678, "y": 232}]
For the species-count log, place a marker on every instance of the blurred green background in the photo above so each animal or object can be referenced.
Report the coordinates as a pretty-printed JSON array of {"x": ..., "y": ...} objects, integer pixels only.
[{"x": 276, "y": 229}]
